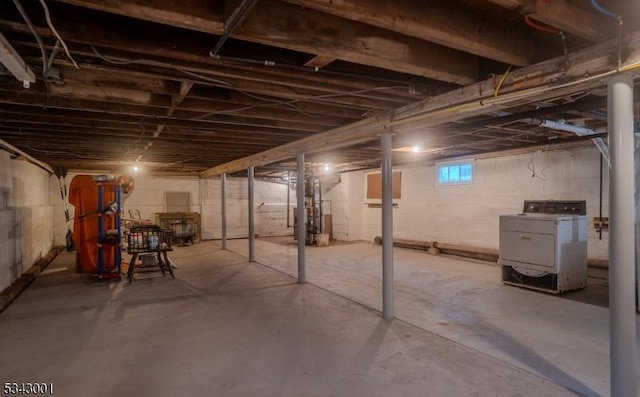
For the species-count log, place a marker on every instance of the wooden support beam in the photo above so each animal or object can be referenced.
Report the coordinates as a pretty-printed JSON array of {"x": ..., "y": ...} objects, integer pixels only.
[
  {"x": 448, "y": 23},
  {"x": 185, "y": 87},
  {"x": 543, "y": 81},
  {"x": 272, "y": 81},
  {"x": 349, "y": 106},
  {"x": 573, "y": 16},
  {"x": 109, "y": 94},
  {"x": 202, "y": 15},
  {"x": 75, "y": 136},
  {"x": 59, "y": 115},
  {"x": 319, "y": 61},
  {"x": 39, "y": 100},
  {"x": 287, "y": 26}
]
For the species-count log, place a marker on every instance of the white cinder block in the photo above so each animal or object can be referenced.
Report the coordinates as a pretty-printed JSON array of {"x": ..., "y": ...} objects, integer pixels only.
[
  {"x": 468, "y": 214},
  {"x": 26, "y": 216}
]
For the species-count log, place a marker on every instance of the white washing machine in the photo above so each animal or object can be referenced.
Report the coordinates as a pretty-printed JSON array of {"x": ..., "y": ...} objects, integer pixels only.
[{"x": 545, "y": 247}]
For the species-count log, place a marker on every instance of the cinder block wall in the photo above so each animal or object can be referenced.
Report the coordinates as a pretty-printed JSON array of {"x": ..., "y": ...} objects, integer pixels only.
[
  {"x": 468, "y": 214},
  {"x": 26, "y": 217}
]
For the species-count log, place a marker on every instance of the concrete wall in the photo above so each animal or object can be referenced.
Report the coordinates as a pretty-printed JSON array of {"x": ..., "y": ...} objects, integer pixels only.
[
  {"x": 149, "y": 197},
  {"x": 26, "y": 217},
  {"x": 468, "y": 214}
]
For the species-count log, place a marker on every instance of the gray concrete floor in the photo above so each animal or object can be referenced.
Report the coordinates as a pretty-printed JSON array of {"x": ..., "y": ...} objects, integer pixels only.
[
  {"x": 562, "y": 338},
  {"x": 226, "y": 327}
]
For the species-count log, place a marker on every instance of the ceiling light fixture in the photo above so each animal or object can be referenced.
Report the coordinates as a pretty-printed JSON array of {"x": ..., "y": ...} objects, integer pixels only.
[
  {"x": 326, "y": 167},
  {"x": 415, "y": 149},
  {"x": 10, "y": 58}
]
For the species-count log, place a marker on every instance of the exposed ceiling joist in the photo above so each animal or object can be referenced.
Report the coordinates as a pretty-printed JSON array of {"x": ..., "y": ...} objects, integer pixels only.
[
  {"x": 564, "y": 15},
  {"x": 319, "y": 61},
  {"x": 448, "y": 23},
  {"x": 287, "y": 26},
  {"x": 537, "y": 82},
  {"x": 571, "y": 16},
  {"x": 202, "y": 15},
  {"x": 332, "y": 73}
]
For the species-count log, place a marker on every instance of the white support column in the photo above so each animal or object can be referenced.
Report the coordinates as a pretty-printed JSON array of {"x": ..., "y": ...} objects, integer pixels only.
[
  {"x": 301, "y": 210},
  {"x": 622, "y": 318},
  {"x": 252, "y": 232},
  {"x": 387, "y": 226},
  {"x": 223, "y": 210}
]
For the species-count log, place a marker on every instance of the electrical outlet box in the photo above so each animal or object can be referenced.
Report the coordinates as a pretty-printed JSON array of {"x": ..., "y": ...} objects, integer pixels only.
[{"x": 601, "y": 223}]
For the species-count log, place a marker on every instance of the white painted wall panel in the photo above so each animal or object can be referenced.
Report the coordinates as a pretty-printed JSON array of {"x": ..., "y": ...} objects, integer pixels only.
[{"x": 149, "y": 197}]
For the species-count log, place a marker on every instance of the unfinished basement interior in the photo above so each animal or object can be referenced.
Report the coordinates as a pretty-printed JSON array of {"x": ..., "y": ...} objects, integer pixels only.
[{"x": 320, "y": 197}]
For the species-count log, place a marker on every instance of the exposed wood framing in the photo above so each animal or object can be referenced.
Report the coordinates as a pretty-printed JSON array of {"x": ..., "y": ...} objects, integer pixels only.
[
  {"x": 286, "y": 26},
  {"x": 448, "y": 23},
  {"x": 319, "y": 61},
  {"x": 537, "y": 82}
]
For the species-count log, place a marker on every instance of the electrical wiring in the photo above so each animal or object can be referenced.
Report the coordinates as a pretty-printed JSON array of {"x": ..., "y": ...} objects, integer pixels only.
[
  {"x": 289, "y": 103},
  {"x": 33, "y": 30},
  {"x": 151, "y": 62},
  {"x": 204, "y": 78},
  {"x": 54, "y": 53},
  {"x": 55, "y": 32},
  {"x": 49, "y": 152},
  {"x": 279, "y": 102},
  {"x": 504, "y": 77},
  {"x": 531, "y": 166},
  {"x": 293, "y": 101}
]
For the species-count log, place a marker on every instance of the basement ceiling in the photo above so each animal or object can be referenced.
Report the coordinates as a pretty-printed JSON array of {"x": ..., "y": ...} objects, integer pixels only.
[{"x": 201, "y": 87}]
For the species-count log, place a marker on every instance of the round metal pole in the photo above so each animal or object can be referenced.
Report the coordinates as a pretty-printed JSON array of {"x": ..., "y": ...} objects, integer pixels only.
[
  {"x": 387, "y": 226},
  {"x": 622, "y": 318},
  {"x": 223, "y": 210},
  {"x": 252, "y": 232},
  {"x": 302, "y": 271}
]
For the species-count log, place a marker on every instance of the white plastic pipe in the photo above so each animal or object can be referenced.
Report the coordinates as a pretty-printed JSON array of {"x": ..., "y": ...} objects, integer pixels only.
[
  {"x": 561, "y": 125},
  {"x": 622, "y": 318}
]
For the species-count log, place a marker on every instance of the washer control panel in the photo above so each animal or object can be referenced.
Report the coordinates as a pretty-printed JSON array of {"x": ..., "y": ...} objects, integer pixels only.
[{"x": 578, "y": 207}]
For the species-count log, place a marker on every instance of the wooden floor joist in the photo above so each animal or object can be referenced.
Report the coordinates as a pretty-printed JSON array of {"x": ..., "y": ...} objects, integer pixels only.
[{"x": 543, "y": 81}]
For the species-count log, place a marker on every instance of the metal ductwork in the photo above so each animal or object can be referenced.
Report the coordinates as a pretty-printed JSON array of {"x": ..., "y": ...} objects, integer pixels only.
[{"x": 10, "y": 58}]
